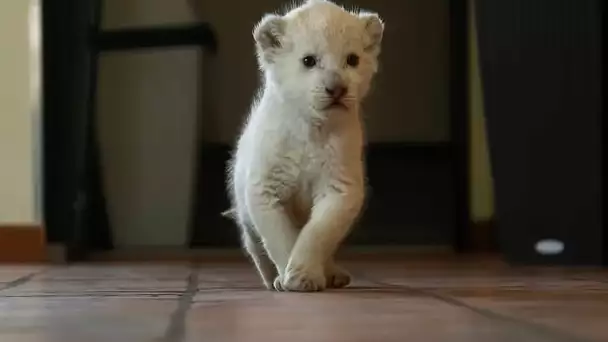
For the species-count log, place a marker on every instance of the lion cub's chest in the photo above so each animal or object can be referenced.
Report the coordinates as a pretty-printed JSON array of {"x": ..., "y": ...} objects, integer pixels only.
[
  {"x": 313, "y": 161},
  {"x": 313, "y": 164}
]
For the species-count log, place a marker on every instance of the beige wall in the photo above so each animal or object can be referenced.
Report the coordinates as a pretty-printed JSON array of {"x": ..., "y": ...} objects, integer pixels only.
[{"x": 19, "y": 115}]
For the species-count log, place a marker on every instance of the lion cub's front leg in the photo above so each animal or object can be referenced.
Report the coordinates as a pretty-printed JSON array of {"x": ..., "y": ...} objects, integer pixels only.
[
  {"x": 335, "y": 278},
  {"x": 330, "y": 222}
]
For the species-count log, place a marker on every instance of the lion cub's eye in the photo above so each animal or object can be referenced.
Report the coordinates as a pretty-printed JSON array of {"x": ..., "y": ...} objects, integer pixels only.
[
  {"x": 352, "y": 60},
  {"x": 309, "y": 61}
]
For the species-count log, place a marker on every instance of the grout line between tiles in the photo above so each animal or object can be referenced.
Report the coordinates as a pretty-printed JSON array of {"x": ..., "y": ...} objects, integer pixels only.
[
  {"x": 176, "y": 331},
  {"x": 19, "y": 281},
  {"x": 530, "y": 327}
]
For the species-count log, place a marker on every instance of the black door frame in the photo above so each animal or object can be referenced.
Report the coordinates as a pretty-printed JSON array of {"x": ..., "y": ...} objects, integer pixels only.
[
  {"x": 74, "y": 208},
  {"x": 74, "y": 202}
]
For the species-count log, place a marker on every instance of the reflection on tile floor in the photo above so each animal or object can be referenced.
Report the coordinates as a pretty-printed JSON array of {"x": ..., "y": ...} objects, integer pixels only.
[{"x": 392, "y": 299}]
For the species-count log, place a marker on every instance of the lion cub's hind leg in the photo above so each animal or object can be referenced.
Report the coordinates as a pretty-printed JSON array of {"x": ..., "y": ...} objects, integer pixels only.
[{"x": 255, "y": 248}]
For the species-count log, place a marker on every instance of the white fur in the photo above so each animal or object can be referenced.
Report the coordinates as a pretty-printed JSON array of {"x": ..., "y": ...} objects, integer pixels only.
[{"x": 297, "y": 176}]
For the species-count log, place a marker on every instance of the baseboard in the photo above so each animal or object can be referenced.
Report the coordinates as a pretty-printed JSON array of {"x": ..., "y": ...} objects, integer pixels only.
[{"x": 22, "y": 244}]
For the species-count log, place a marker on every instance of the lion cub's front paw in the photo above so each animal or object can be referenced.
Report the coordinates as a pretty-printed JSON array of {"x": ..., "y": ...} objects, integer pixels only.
[
  {"x": 337, "y": 277},
  {"x": 277, "y": 284},
  {"x": 301, "y": 279}
]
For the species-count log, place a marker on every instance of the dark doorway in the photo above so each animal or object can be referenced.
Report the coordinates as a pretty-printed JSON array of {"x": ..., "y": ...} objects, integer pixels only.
[{"x": 418, "y": 184}]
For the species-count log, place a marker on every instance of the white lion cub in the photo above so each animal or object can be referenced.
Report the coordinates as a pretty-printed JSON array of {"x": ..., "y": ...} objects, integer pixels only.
[{"x": 297, "y": 175}]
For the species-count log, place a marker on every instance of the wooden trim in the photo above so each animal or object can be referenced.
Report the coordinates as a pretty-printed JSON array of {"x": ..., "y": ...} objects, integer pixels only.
[{"x": 22, "y": 243}]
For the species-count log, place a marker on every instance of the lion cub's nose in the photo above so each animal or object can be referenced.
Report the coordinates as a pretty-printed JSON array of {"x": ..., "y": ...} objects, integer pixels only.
[{"x": 336, "y": 92}]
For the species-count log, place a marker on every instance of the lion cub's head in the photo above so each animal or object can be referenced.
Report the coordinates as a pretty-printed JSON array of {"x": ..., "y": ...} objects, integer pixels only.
[{"x": 320, "y": 55}]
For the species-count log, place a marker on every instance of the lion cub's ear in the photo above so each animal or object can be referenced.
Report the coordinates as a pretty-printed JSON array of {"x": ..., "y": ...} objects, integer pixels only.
[
  {"x": 374, "y": 27},
  {"x": 268, "y": 35}
]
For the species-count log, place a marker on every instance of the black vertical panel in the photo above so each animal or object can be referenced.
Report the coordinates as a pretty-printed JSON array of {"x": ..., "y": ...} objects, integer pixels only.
[
  {"x": 95, "y": 218},
  {"x": 541, "y": 70},
  {"x": 74, "y": 206},
  {"x": 459, "y": 121},
  {"x": 56, "y": 194},
  {"x": 603, "y": 111}
]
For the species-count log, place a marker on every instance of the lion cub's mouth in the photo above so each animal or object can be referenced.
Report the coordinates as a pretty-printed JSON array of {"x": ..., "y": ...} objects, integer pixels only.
[{"x": 336, "y": 105}]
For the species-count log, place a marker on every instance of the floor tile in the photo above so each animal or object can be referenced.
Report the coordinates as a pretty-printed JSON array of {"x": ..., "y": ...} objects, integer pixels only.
[
  {"x": 83, "y": 319},
  {"x": 106, "y": 280},
  {"x": 357, "y": 314},
  {"x": 10, "y": 274},
  {"x": 391, "y": 299}
]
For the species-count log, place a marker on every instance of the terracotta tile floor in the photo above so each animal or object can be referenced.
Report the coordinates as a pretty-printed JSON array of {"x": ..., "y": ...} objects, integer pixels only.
[{"x": 393, "y": 299}]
